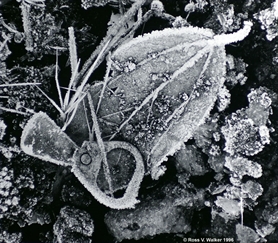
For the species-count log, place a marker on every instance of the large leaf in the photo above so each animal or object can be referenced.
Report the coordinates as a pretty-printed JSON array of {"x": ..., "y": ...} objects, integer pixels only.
[{"x": 163, "y": 87}]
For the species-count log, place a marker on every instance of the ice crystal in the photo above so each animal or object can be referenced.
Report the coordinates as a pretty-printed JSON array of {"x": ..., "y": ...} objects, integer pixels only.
[
  {"x": 8, "y": 194},
  {"x": 242, "y": 136},
  {"x": 224, "y": 98}
]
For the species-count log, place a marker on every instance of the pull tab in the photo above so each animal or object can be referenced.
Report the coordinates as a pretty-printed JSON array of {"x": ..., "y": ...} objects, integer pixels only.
[{"x": 87, "y": 172}]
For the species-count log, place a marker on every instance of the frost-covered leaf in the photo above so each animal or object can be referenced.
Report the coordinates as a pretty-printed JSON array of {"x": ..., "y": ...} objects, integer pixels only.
[{"x": 163, "y": 86}]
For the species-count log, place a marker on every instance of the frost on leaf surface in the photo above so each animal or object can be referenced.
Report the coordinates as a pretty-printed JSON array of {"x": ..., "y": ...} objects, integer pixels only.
[{"x": 162, "y": 87}]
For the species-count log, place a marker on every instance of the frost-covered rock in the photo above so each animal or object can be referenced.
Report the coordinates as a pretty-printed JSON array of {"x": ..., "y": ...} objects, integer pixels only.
[
  {"x": 269, "y": 20},
  {"x": 217, "y": 162},
  {"x": 252, "y": 190},
  {"x": 229, "y": 206},
  {"x": 242, "y": 136},
  {"x": 74, "y": 194},
  {"x": 168, "y": 210},
  {"x": 246, "y": 234},
  {"x": 241, "y": 166},
  {"x": 73, "y": 225},
  {"x": 245, "y": 130},
  {"x": 190, "y": 160},
  {"x": 263, "y": 228}
]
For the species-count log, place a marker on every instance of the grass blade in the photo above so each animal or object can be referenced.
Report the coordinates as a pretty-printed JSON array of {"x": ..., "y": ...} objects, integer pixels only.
[
  {"x": 52, "y": 102},
  {"x": 57, "y": 82},
  {"x": 109, "y": 63},
  {"x": 86, "y": 78},
  {"x": 18, "y": 84},
  {"x": 75, "y": 103},
  {"x": 72, "y": 79},
  {"x": 14, "y": 111}
]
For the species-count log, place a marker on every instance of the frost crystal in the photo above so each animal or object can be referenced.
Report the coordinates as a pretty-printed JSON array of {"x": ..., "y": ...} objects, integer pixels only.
[{"x": 224, "y": 98}]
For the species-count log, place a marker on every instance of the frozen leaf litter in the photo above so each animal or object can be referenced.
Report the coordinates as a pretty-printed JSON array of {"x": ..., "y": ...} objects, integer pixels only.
[
  {"x": 158, "y": 81},
  {"x": 213, "y": 193}
]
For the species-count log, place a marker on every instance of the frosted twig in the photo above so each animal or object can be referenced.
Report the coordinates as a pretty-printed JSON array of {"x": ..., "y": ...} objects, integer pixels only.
[
  {"x": 71, "y": 85},
  {"x": 57, "y": 82},
  {"x": 117, "y": 112},
  {"x": 241, "y": 211},
  {"x": 234, "y": 37},
  {"x": 109, "y": 63},
  {"x": 87, "y": 122},
  {"x": 52, "y": 102},
  {"x": 25, "y": 11},
  {"x": 72, "y": 111},
  {"x": 87, "y": 76}
]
